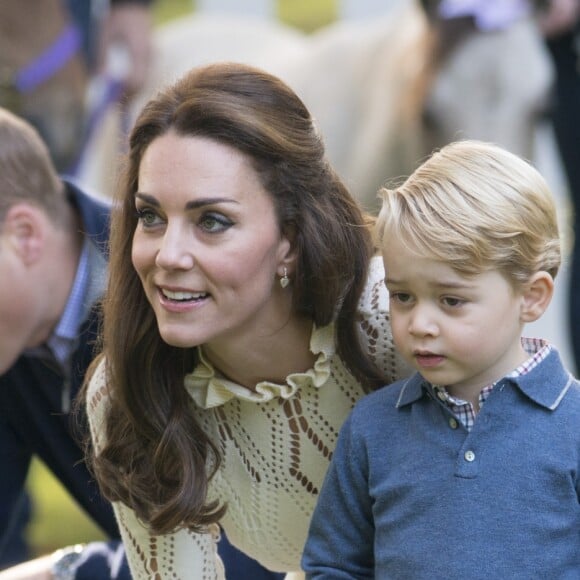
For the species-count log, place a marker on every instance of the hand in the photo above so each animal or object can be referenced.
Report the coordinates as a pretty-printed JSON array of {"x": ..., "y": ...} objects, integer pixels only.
[
  {"x": 128, "y": 28},
  {"x": 38, "y": 569}
]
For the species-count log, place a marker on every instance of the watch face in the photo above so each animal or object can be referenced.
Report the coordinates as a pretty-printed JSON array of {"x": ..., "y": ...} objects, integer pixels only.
[{"x": 65, "y": 561}]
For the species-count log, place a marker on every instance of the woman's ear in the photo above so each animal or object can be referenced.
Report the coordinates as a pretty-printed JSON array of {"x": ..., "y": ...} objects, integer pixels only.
[
  {"x": 24, "y": 229},
  {"x": 288, "y": 252},
  {"x": 537, "y": 295}
]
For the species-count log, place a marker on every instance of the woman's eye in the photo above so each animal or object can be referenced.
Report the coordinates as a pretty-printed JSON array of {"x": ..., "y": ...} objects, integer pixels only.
[
  {"x": 214, "y": 223},
  {"x": 147, "y": 217}
]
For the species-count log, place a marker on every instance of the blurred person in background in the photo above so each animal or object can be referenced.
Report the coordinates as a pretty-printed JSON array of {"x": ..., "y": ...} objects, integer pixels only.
[{"x": 116, "y": 24}]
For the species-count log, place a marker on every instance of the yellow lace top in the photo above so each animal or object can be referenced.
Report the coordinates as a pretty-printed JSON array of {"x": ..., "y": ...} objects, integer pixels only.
[{"x": 276, "y": 444}]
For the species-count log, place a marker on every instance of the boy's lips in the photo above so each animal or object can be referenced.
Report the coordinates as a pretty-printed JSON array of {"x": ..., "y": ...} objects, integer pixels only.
[{"x": 426, "y": 359}]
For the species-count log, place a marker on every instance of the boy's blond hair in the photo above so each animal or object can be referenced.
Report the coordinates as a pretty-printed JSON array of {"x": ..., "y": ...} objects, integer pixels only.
[
  {"x": 477, "y": 207},
  {"x": 26, "y": 169}
]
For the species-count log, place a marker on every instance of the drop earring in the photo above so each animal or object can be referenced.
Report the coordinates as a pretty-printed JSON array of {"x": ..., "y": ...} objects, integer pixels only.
[{"x": 284, "y": 280}]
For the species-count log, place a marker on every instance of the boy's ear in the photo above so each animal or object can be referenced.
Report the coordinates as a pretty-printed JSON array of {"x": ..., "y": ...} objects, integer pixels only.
[
  {"x": 25, "y": 230},
  {"x": 537, "y": 295}
]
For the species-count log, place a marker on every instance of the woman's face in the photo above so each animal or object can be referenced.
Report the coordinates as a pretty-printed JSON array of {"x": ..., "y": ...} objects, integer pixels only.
[{"x": 207, "y": 246}]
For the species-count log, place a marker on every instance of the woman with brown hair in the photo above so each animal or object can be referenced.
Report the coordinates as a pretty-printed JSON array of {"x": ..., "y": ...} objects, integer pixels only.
[{"x": 245, "y": 316}]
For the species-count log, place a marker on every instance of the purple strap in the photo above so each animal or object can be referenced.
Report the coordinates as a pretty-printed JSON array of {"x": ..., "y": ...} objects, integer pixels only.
[{"x": 50, "y": 61}]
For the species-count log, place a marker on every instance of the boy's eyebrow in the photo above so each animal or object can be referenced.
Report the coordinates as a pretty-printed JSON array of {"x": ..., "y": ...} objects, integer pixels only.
[
  {"x": 443, "y": 284},
  {"x": 150, "y": 199}
]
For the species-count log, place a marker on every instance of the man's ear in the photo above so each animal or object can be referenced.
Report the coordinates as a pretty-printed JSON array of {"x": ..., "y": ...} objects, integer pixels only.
[
  {"x": 25, "y": 230},
  {"x": 537, "y": 295}
]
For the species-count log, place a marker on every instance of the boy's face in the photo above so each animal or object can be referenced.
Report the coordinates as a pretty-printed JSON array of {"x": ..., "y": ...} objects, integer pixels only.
[{"x": 461, "y": 332}]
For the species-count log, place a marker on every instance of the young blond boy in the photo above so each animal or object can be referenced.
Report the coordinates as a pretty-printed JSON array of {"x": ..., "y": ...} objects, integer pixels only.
[{"x": 470, "y": 468}]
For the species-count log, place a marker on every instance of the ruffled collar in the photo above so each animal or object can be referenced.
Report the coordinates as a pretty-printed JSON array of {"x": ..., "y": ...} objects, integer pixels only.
[{"x": 209, "y": 389}]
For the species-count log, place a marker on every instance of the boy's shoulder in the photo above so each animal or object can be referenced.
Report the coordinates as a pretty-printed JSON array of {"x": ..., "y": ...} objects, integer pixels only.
[
  {"x": 572, "y": 394},
  {"x": 551, "y": 385}
]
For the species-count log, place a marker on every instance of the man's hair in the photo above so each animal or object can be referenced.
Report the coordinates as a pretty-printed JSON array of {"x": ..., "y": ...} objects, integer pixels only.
[
  {"x": 477, "y": 207},
  {"x": 27, "y": 173}
]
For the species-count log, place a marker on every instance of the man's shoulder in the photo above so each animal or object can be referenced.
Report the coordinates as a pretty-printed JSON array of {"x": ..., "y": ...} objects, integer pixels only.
[
  {"x": 19, "y": 372},
  {"x": 95, "y": 213}
]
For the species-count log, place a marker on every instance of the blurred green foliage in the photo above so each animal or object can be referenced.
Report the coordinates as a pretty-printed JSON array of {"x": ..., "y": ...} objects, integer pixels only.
[
  {"x": 57, "y": 519},
  {"x": 308, "y": 15}
]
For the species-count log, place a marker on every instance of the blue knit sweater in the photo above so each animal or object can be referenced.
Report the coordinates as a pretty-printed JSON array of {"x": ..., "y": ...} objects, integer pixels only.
[{"x": 410, "y": 493}]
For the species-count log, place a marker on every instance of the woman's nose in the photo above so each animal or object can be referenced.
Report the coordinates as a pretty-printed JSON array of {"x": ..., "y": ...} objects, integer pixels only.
[{"x": 176, "y": 250}]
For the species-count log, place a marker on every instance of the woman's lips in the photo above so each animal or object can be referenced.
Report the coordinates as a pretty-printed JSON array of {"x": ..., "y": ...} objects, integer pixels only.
[{"x": 181, "y": 301}]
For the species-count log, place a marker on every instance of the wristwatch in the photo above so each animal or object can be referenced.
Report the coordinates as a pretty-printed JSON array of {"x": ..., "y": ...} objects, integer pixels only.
[{"x": 64, "y": 562}]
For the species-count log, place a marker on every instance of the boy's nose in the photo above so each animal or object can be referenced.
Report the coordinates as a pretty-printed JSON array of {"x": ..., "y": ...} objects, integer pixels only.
[{"x": 423, "y": 321}]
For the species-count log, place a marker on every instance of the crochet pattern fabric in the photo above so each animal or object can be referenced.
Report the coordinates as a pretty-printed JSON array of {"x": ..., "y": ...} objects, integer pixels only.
[{"x": 276, "y": 445}]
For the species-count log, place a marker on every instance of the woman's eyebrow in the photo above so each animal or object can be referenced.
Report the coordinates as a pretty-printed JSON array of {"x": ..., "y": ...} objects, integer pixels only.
[
  {"x": 194, "y": 204},
  {"x": 208, "y": 201},
  {"x": 147, "y": 198}
]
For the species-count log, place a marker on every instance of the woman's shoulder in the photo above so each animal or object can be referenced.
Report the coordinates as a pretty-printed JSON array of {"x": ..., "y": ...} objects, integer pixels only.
[
  {"x": 375, "y": 325},
  {"x": 96, "y": 400},
  {"x": 96, "y": 392}
]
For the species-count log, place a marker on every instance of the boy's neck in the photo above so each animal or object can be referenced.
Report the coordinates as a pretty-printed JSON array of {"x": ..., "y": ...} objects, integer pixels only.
[
  {"x": 470, "y": 397},
  {"x": 470, "y": 390}
]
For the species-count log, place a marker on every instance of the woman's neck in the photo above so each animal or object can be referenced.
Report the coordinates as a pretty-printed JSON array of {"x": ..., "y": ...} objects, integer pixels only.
[{"x": 268, "y": 358}]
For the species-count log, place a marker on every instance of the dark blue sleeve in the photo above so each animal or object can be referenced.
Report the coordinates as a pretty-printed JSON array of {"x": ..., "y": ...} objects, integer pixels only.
[
  {"x": 239, "y": 566},
  {"x": 14, "y": 547},
  {"x": 14, "y": 503}
]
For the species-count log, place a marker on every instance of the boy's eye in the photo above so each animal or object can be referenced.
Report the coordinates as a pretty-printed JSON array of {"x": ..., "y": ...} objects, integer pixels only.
[
  {"x": 452, "y": 301},
  {"x": 401, "y": 297}
]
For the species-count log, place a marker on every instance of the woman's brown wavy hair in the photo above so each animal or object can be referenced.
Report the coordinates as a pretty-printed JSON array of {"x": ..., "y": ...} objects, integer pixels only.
[{"x": 157, "y": 456}]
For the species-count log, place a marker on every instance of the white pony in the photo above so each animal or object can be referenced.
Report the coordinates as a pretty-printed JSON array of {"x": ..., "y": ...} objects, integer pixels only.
[{"x": 380, "y": 95}]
